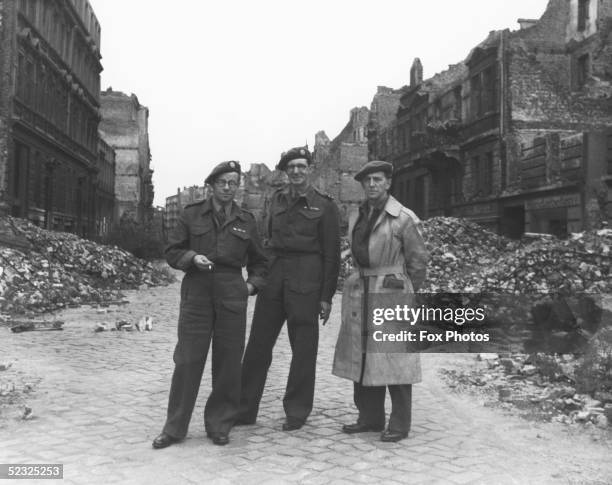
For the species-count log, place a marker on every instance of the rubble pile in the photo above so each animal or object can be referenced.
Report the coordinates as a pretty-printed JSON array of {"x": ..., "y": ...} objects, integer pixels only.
[
  {"x": 544, "y": 386},
  {"x": 15, "y": 389},
  {"x": 459, "y": 251},
  {"x": 62, "y": 269},
  {"x": 580, "y": 264},
  {"x": 346, "y": 261},
  {"x": 467, "y": 258}
]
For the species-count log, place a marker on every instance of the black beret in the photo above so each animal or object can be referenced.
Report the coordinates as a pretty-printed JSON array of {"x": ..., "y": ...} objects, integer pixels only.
[
  {"x": 294, "y": 153},
  {"x": 223, "y": 167},
  {"x": 374, "y": 166}
]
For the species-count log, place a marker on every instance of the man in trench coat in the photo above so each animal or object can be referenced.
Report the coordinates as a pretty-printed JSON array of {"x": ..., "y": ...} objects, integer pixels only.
[
  {"x": 303, "y": 239},
  {"x": 390, "y": 258},
  {"x": 212, "y": 241}
]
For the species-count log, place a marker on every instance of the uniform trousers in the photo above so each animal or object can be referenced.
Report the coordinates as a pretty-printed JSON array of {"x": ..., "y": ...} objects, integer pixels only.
[
  {"x": 370, "y": 401},
  {"x": 213, "y": 308},
  {"x": 296, "y": 301}
]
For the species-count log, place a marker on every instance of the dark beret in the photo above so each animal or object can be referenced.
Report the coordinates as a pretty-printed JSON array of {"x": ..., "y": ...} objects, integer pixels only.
[
  {"x": 294, "y": 153},
  {"x": 374, "y": 166},
  {"x": 223, "y": 167}
]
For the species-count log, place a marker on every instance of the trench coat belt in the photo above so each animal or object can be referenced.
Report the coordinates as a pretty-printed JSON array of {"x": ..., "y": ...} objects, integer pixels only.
[{"x": 380, "y": 270}]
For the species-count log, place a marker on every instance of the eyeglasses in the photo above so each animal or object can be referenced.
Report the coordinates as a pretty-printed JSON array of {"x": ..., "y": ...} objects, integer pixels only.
[
  {"x": 232, "y": 184},
  {"x": 297, "y": 166}
]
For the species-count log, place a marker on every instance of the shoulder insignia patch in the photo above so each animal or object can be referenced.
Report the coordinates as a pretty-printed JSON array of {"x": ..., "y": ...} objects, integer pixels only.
[
  {"x": 324, "y": 194},
  {"x": 199, "y": 202}
]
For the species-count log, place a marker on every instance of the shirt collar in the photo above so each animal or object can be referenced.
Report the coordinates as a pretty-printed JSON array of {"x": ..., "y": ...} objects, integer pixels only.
[
  {"x": 235, "y": 212},
  {"x": 309, "y": 195},
  {"x": 392, "y": 207}
]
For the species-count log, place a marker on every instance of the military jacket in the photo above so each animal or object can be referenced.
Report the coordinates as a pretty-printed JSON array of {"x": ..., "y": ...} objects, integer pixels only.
[
  {"x": 308, "y": 224},
  {"x": 233, "y": 245}
]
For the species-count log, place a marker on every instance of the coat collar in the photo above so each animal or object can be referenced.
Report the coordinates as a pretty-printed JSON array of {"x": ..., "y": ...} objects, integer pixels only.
[
  {"x": 392, "y": 206},
  {"x": 310, "y": 196},
  {"x": 235, "y": 212}
]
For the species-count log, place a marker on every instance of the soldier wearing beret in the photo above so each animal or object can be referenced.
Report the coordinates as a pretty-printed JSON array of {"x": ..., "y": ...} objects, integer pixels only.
[
  {"x": 304, "y": 249},
  {"x": 391, "y": 260},
  {"x": 211, "y": 243}
]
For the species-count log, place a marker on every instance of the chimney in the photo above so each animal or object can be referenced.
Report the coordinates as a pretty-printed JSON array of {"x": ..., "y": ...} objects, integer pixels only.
[
  {"x": 416, "y": 72},
  {"x": 526, "y": 23}
]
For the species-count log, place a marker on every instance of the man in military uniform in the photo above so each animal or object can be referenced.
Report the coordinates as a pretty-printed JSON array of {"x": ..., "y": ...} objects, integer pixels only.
[
  {"x": 304, "y": 250},
  {"x": 213, "y": 240}
]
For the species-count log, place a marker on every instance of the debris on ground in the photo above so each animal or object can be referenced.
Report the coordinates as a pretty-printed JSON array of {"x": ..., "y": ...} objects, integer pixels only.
[
  {"x": 36, "y": 326},
  {"x": 60, "y": 269},
  {"x": 16, "y": 388},
  {"x": 145, "y": 323},
  {"x": 467, "y": 258},
  {"x": 27, "y": 413},
  {"x": 545, "y": 295},
  {"x": 544, "y": 387}
]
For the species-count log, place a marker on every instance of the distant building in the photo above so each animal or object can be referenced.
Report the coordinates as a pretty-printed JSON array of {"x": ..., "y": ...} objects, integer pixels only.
[
  {"x": 105, "y": 190},
  {"x": 518, "y": 136},
  {"x": 49, "y": 113},
  {"x": 176, "y": 203},
  {"x": 337, "y": 161},
  {"x": 125, "y": 127}
]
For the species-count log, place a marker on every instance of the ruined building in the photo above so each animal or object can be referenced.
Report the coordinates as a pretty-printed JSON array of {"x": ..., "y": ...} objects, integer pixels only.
[
  {"x": 518, "y": 136},
  {"x": 49, "y": 114},
  {"x": 336, "y": 162},
  {"x": 176, "y": 203},
  {"x": 105, "y": 190},
  {"x": 125, "y": 127}
]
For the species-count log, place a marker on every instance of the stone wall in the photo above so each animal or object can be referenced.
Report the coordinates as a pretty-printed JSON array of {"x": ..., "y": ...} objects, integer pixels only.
[
  {"x": 4, "y": 103},
  {"x": 124, "y": 126},
  {"x": 337, "y": 161}
]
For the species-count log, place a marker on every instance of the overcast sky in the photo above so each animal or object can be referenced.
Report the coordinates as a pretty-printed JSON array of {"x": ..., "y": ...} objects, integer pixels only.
[{"x": 246, "y": 80}]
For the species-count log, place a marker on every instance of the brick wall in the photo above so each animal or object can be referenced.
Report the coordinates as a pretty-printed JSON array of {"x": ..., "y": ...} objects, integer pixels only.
[
  {"x": 124, "y": 126},
  {"x": 551, "y": 29},
  {"x": 4, "y": 93},
  {"x": 570, "y": 162},
  {"x": 610, "y": 154}
]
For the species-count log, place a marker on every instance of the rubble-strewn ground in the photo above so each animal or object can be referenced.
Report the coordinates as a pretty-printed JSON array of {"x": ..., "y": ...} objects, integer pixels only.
[
  {"x": 102, "y": 397},
  {"x": 542, "y": 387},
  {"x": 60, "y": 269},
  {"x": 93, "y": 395}
]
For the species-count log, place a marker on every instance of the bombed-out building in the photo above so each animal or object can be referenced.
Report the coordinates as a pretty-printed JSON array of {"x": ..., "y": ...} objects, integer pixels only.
[
  {"x": 125, "y": 127},
  {"x": 49, "y": 113},
  {"x": 517, "y": 136}
]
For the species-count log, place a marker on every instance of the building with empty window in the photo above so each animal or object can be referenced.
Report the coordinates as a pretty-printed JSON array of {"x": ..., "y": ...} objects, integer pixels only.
[
  {"x": 125, "y": 127},
  {"x": 49, "y": 113},
  {"x": 106, "y": 216},
  {"x": 517, "y": 136}
]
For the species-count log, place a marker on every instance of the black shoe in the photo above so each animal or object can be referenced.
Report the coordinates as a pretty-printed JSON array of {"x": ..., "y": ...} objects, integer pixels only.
[
  {"x": 389, "y": 436},
  {"x": 220, "y": 439},
  {"x": 164, "y": 440},
  {"x": 360, "y": 428},
  {"x": 291, "y": 424}
]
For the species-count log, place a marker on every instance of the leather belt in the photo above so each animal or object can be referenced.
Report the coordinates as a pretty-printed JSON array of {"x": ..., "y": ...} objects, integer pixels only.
[
  {"x": 381, "y": 270},
  {"x": 290, "y": 253}
]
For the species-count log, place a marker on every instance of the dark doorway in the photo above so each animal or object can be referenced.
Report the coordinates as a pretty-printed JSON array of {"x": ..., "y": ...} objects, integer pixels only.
[{"x": 513, "y": 222}]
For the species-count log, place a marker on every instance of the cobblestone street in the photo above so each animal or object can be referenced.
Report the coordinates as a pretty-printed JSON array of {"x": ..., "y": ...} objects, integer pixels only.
[{"x": 99, "y": 399}]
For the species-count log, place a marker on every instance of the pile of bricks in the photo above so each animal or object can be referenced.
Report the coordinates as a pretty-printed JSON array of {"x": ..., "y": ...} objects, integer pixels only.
[{"x": 61, "y": 269}]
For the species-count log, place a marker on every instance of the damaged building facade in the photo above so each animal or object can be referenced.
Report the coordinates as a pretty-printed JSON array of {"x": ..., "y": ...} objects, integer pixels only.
[
  {"x": 49, "y": 114},
  {"x": 337, "y": 161},
  {"x": 125, "y": 127},
  {"x": 518, "y": 136}
]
